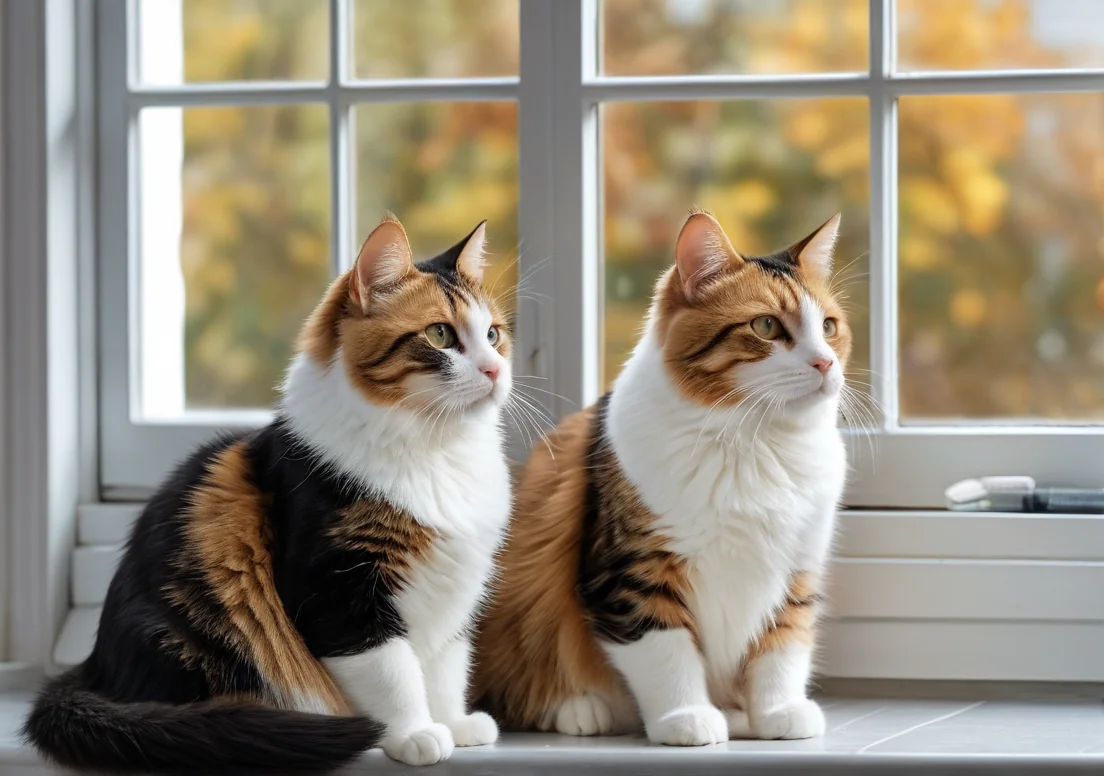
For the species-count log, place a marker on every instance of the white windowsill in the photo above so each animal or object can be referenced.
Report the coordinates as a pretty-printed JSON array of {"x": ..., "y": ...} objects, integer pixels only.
[{"x": 902, "y": 736}]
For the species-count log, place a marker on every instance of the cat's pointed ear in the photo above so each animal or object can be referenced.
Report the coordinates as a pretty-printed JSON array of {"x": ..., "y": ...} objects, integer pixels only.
[
  {"x": 702, "y": 253},
  {"x": 814, "y": 253},
  {"x": 383, "y": 261},
  {"x": 471, "y": 261}
]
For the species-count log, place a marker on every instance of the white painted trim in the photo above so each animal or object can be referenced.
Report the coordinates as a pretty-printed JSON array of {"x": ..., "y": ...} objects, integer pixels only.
[
  {"x": 741, "y": 87},
  {"x": 938, "y": 593},
  {"x": 536, "y": 218},
  {"x": 349, "y": 92},
  {"x": 78, "y": 635},
  {"x": 882, "y": 107},
  {"x": 6, "y": 551},
  {"x": 44, "y": 170},
  {"x": 105, "y": 523},
  {"x": 93, "y": 568},
  {"x": 970, "y": 536},
  {"x": 576, "y": 291},
  {"x": 976, "y": 651},
  {"x": 860, "y": 589}
]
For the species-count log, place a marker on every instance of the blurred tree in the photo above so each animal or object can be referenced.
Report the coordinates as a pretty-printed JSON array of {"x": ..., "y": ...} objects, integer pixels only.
[
  {"x": 255, "y": 249},
  {"x": 1001, "y": 239},
  {"x": 1001, "y": 243}
]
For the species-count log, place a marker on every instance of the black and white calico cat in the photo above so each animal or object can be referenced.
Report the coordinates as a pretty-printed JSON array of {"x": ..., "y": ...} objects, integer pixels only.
[{"x": 295, "y": 595}]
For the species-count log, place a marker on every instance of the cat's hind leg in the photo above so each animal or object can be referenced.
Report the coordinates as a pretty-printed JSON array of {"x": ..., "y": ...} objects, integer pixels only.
[{"x": 583, "y": 715}]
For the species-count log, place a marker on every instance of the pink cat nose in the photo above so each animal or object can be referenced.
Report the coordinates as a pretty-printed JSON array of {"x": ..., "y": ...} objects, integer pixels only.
[
  {"x": 491, "y": 372},
  {"x": 822, "y": 365}
]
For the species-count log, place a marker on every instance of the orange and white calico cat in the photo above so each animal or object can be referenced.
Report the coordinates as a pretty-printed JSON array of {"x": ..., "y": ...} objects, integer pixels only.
[{"x": 668, "y": 545}]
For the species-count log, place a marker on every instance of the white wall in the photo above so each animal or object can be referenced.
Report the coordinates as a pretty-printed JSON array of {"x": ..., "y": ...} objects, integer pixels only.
[
  {"x": 42, "y": 307},
  {"x": 5, "y": 563}
]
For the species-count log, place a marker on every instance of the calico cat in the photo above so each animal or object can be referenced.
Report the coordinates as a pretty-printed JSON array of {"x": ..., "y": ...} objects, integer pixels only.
[
  {"x": 668, "y": 545},
  {"x": 294, "y": 595}
]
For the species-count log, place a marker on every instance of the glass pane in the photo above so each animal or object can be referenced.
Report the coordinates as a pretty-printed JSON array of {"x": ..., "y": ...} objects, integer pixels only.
[
  {"x": 1002, "y": 257},
  {"x": 442, "y": 168},
  {"x": 999, "y": 34},
  {"x": 770, "y": 170},
  {"x": 435, "y": 38},
  {"x": 685, "y": 37},
  {"x": 197, "y": 41},
  {"x": 234, "y": 253}
]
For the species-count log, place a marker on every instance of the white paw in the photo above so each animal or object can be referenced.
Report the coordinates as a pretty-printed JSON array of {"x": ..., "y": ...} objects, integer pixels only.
[
  {"x": 474, "y": 729},
  {"x": 689, "y": 726},
  {"x": 421, "y": 747},
  {"x": 584, "y": 715},
  {"x": 801, "y": 719},
  {"x": 739, "y": 726}
]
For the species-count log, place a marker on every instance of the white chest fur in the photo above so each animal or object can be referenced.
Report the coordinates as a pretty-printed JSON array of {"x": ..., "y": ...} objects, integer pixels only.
[
  {"x": 746, "y": 503},
  {"x": 452, "y": 479}
]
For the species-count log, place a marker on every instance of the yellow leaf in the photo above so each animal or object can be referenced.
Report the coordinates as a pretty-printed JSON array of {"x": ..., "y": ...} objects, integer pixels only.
[
  {"x": 930, "y": 203},
  {"x": 968, "y": 308},
  {"x": 918, "y": 253},
  {"x": 753, "y": 198}
]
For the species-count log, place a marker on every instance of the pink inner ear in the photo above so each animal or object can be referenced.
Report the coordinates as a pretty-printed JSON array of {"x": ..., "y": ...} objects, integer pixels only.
[
  {"x": 471, "y": 261},
  {"x": 702, "y": 252},
  {"x": 384, "y": 260},
  {"x": 816, "y": 255}
]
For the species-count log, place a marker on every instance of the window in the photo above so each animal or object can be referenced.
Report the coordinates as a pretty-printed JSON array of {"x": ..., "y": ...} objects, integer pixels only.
[{"x": 246, "y": 146}]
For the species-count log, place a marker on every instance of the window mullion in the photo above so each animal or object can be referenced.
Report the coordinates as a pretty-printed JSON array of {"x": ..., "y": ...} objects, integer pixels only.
[
  {"x": 535, "y": 344},
  {"x": 340, "y": 169},
  {"x": 883, "y": 212},
  {"x": 575, "y": 273}
]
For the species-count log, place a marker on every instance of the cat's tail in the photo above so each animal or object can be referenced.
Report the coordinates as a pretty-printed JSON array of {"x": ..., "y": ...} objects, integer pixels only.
[{"x": 80, "y": 729}]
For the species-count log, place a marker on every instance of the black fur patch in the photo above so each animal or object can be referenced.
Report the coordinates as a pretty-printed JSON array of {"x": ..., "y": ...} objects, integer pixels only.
[
  {"x": 155, "y": 692},
  {"x": 780, "y": 263}
]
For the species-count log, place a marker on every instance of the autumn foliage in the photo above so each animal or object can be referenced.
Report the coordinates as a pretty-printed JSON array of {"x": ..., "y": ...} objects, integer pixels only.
[{"x": 1000, "y": 197}]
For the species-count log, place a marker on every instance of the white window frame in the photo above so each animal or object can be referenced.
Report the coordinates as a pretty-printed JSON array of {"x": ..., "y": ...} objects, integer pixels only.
[
  {"x": 559, "y": 93},
  {"x": 916, "y": 594}
]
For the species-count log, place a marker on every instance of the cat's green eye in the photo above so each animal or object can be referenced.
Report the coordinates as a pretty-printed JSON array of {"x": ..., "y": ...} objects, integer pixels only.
[
  {"x": 767, "y": 327},
  {"x": 492, "y": 335},
  {"x": 830, "y": 327},
  {"x": 440, "y": 335}
]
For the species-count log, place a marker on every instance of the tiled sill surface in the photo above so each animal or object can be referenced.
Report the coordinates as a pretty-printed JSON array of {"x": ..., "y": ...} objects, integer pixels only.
[{"x": 864, "y": 736}]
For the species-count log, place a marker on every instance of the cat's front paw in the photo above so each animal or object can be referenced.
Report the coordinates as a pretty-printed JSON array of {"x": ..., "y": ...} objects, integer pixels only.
[
  {"x": 427, "y": 746},
  {"x": 584, "y": 715},
  {"x": 689, "y": 726},
  {"x": 801, "y": 719},
  {"x": 474, "y": 729}
]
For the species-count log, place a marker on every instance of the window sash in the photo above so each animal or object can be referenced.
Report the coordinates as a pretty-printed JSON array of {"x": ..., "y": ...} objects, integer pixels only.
[{"x": 559, "y": 91}]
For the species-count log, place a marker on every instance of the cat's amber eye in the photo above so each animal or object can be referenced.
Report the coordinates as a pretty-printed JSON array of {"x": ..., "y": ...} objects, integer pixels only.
[
  {"x": 831, "y": 326},
  {"x": 767, "y": 327},
  {"x": 493, "y": 335},
  {"x": 440, "y": 335}
]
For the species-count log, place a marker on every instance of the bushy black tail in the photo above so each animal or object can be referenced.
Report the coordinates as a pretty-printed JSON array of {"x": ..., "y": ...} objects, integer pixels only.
[{"x": 79, "y": 729}]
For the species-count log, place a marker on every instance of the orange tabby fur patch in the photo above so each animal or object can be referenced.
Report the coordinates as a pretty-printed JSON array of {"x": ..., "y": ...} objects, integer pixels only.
[
  {"x": 229, "y": 539},
  {"x": 537, "y": 649},
  {"x": 795, "y": 621},
  {"x": 700, "y": 341},
  {"x": 383, "y": 347}
]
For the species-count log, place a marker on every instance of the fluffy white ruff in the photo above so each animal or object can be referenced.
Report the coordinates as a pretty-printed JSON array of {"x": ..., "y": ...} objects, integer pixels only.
[{"x": 747, "y": 497}]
